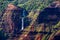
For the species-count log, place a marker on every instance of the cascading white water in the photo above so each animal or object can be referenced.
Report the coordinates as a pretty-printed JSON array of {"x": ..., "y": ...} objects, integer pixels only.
[
  {"x": 22, "y": 24},
  {"x": 23, "y": 20}
]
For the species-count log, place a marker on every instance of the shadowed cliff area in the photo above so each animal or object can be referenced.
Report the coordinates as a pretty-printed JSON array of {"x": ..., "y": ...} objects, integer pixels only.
[
  {"x": 38, "y": 24},
  {"x": 49, "y": 15},
  {"x": 12, "y": 19}
]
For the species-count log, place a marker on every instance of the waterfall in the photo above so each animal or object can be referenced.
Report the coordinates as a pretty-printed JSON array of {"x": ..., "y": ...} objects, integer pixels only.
[
  {"x": 23, "y": 16},
  {"x": 22, "y": 24}
]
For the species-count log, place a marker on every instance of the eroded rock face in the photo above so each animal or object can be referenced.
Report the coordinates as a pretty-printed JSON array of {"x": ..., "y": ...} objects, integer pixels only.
[{"x": 12, "y": 18}]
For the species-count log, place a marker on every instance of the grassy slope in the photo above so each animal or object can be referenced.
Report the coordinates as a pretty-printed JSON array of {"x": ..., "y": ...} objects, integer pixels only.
[{"x": 35, "y": 4}]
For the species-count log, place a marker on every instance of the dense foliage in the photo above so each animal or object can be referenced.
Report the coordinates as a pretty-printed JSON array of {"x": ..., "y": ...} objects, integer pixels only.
[{"x": 32, "y": 19}]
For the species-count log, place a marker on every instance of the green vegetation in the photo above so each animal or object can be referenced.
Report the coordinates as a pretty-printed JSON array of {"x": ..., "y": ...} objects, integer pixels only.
[
  {"x": 33, "y": 7},
  {"x": 35, "y": 4},
  {"x": 27, "y": 4}
]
